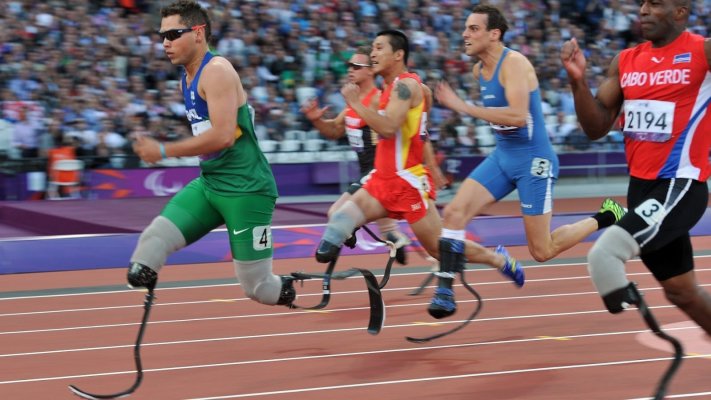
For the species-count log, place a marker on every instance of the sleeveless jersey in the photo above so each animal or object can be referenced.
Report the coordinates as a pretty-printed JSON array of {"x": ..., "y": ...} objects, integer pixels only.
[
  {"x": 666, "y": 123},
  {"x": 531, "y": 138},
  {"x": 361, "y": 138},
  {"x": 401, "y": 155},
  {"x": 239, "y": 169}
]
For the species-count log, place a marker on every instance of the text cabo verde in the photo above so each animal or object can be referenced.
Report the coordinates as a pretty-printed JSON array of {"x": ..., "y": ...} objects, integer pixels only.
[{"x": 666, "y": 77}]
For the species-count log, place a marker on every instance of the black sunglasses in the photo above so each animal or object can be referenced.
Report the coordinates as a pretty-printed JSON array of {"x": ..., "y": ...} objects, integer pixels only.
[
  {"x": 357, "y": 66},
  {"x": 174, "y": 34}
]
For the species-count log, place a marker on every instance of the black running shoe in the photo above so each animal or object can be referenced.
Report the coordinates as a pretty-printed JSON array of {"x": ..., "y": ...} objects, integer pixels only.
[{"x": 288, "y": 293}]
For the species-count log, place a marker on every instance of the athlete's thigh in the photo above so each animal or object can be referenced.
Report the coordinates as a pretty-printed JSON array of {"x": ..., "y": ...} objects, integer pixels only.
[
  {"x": 535, "y": 179},
  {"x": 662, "y": 210},
  {"x": 491, "y": 175},
  {"x": 470, "y": 200},
  {"x": 338, "y": 203},
  {"x": 248, "y": 220},
  {"x": 538, "y": 229},
  {"x": 428, "y": 229},
  {"x": 191, "y": 211},
  {"x": 369, "y": 205},
  {"x": 662, "y": 213}
]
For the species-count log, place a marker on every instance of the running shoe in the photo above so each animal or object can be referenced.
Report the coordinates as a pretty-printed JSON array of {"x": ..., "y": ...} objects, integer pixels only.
[
  {"x": 288, "y": 293},
  {"x": 442, "y": 304},
  {"x": 614, "y": 207},
  {"x": 512, "y": 269}
]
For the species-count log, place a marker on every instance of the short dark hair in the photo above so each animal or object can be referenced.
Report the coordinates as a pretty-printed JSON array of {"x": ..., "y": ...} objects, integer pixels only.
[
  {"x": 191, "y": 14},
  {"x": 495, "y": 20},
  {"x": 365, "y": 50},
  {"x": 398, "y": 41}
]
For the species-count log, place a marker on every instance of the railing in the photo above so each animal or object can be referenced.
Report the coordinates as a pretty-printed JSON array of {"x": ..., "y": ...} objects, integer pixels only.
[{"x": 331, "y": 169}]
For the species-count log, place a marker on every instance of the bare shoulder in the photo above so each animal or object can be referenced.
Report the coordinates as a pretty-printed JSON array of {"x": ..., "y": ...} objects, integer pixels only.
[
  {"x": 406, "y": 88},
  {"x": 218, "y": 65},
  {"x": 517, "y": 62},
  {"x": 219, "y": 72},
  {"x": 707, "y": 49}
]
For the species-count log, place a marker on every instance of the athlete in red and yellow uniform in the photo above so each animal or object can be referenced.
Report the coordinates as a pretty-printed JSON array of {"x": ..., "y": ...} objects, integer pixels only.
[
  {"x": 399, "y": 186},
  {"x": 399, "y": 181}
]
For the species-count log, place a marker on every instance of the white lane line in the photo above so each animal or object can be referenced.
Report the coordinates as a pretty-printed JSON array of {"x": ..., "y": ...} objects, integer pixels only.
[
  {"x": 677, "y": 396},
  {"x": 287, "y": 312},
  {"x": 436, "y": 378},
  {"x": 128, "y": 291},
  {"x": 303, "y": 295},
  {"x": 324, "y": 331},
  {"x": 341, "y": 355}
]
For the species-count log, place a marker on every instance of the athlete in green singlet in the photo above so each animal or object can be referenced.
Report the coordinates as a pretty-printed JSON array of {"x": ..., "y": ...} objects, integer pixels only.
[{"x": 236, "y": 186}]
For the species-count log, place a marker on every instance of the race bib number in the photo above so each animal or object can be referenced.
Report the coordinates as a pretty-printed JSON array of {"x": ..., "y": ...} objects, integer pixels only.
[
  {"x": 200, "y": 127},
  {"x": 262, "y": 238},
  {"x": 541, "y": 168},
  {"x": 651, "y": 211},
  {"x": 423, "y": 126},
  {"x": 648, "y": 120},
  {"x": 355, "y": 138}
]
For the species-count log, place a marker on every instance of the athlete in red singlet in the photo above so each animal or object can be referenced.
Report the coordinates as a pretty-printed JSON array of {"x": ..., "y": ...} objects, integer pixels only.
[
  {"x": 361, "y": 138},
  {"x": 662, "y": 88},
  {"x": 399, "y": 186}
]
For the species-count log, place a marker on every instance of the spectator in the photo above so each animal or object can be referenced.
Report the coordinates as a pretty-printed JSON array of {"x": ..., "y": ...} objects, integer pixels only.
[{"x": 97, "y": 60}]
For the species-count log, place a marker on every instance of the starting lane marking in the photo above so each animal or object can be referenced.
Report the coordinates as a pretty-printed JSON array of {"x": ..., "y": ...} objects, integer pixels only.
[
  {"x": 423, "y": 323},
  {"x": 561, "y": 338}
]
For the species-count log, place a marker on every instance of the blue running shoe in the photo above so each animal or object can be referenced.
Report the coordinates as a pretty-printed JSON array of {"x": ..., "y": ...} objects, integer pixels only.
[
  {"x": 512, "y": 269},
  {"x": 443, "y": 304}
]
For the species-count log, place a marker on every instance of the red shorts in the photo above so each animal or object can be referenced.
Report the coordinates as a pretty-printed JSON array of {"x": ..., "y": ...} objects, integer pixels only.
[{"x": 400, "y": 198}]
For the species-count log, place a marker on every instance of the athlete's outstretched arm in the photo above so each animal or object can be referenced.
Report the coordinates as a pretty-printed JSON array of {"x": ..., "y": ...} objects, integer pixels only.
[
  {"x": 596, "y": 115},
  {"x": 519, "y": 79},
  {"x": 331, "y": 128}
]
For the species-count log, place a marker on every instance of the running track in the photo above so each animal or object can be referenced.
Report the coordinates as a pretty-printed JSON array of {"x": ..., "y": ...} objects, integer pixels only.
[{"x": 551, "y": 339}]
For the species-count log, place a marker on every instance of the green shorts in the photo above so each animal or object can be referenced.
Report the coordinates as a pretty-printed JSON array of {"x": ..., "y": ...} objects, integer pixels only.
[{"x": 196, "y": 211}]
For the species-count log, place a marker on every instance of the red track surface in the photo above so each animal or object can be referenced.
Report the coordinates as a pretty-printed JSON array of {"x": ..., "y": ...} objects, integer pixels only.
[{"x": 551, "y": 339}]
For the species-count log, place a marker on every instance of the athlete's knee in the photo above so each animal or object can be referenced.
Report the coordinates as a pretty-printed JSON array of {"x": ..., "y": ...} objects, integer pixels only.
[
  {"x": 683, "y": 295},
  {"x": 453, "y": 213},
  {"x": 258, "y": 281},
  {"x": 540, "y": 251},
  {"x": 160, "y": 239},
  {"x": 606, "y": 265}
]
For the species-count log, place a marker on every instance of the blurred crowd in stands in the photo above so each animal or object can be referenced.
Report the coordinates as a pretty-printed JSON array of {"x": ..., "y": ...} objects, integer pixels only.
[{"x": 92, "y": 74}]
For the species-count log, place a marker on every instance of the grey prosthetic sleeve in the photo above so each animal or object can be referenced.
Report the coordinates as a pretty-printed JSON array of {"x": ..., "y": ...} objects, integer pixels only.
[
  {"x": 258, "y": 281},
  {"x": 160, "y": 239},
  {"x": 343, "y": 222},
  {"x": 606, "y": 264}
]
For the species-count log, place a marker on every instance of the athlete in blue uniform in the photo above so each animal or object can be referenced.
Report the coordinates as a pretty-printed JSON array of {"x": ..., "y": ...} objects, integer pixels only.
[{"x": 524, "y": 159}]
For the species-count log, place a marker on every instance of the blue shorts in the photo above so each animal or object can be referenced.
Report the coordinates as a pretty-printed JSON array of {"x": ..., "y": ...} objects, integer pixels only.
[{"x": 533, "y": 176}]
